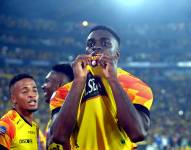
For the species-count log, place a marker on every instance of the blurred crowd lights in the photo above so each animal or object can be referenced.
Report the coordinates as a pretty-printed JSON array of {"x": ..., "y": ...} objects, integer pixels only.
[
  {"x": 146, "y": 64},
  {"x": 184, "y": 64},
  {"x": 180, "y": 112}
]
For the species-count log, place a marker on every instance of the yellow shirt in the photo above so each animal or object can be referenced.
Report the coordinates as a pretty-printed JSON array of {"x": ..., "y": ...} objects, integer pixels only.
[
  {"x": 97, "y": 127},
  {"x": 16, "y": 133},
  {"x": 41, "y": 140}
]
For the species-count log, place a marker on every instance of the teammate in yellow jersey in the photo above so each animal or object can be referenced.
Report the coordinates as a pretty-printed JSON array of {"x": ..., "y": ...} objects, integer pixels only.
[
  {"x": 59, "y": 75},
  {"x": 105, "y": 107},
  {"x": 18, "y": 131}
]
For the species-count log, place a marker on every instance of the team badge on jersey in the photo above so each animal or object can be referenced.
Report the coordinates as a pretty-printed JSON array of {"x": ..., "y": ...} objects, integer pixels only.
[
  {"x": 55, "y": 146},
  {"x": 2, "y": 129}
]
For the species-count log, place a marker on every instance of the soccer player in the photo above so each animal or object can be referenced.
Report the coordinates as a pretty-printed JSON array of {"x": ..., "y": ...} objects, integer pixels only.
[
  {"x": 18, "y": 131},
  {"x": 59, "y": 75},
  {"x": 105, "y": 107}
]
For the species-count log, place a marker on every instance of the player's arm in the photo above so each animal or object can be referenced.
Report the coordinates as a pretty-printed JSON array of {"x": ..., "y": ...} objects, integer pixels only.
[
  {"x": 65, "y": 122},
  {"x": 5, "y": 139},
  {"x": 65, "y": 146},
  {"x": 134, "y": 122}
]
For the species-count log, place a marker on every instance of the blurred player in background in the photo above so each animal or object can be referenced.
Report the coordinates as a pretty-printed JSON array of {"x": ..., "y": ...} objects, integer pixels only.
[
  {"x": 18, "y": 131},
  {"x": 104, "y": 107},
  {"x": 59, "y": 75}
]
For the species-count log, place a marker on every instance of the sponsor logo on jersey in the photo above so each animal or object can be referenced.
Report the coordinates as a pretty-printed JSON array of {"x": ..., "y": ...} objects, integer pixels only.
[
  {"x": 94, "y": 87},
  {"x": 25, "y": 141},
  {"x": 31, "y": 132}
]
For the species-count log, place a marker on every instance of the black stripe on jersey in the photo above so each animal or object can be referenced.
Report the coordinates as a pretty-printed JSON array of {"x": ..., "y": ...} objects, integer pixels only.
[
  {"x": 142, "y": 108},
  {"x": 54, "y": 111}
]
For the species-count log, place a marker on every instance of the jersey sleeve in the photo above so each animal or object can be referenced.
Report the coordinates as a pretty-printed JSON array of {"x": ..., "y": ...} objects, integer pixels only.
[
  {"x": 7, "y": 131},
  {"x": 138, "y": 92},
  {"x": 58, "y": 98}
]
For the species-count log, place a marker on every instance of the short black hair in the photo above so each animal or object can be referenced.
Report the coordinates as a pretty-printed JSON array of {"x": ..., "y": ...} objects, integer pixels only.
[
  {"x": 64, "y": 68},
  {"x": 101, "y": 27},
  {"x": 19, "y": 77}
]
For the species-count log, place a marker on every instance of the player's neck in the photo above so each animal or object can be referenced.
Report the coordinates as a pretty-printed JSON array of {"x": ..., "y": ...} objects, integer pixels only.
[{"x": 26, "y": 115}]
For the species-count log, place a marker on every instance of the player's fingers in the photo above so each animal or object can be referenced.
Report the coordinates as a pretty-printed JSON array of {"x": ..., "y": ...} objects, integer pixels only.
[
  {"x": 83, "y": 59},
  {"x": 106, "y": 59}
]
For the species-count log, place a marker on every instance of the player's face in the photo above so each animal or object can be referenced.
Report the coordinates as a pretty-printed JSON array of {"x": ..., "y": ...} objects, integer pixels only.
[
  {"x": 25, "y": 95},
  {"x": 101, "y": 41},
  {"x": 52, "y": 82}
]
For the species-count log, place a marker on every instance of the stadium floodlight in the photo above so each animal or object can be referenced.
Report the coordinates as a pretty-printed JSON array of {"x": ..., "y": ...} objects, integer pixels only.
[
  {"x": 85, "y": 23},
  {"x": 130, "y": 3}
]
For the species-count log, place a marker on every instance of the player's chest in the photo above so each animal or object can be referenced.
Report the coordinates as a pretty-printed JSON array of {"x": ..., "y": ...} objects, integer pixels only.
[{"x": 25, "y": 135}]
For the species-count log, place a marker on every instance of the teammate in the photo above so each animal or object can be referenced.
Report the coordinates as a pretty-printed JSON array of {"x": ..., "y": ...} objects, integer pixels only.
[
  {"x": 18, "y": 131},
  {"x": 104, "y": 107},
  {"x": 59, "y": 75}
]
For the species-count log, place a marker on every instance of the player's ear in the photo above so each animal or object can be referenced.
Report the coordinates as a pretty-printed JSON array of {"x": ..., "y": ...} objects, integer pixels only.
[
  {"x": 117, "y": 54},
  {"x": 60, "y": 84},
  {"x": 12, "y": 96},
  {"x": 13, "y": 100}
]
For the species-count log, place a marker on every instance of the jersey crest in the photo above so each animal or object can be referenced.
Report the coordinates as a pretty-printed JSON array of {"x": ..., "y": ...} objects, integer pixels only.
[{"x": 2, "y": 130}]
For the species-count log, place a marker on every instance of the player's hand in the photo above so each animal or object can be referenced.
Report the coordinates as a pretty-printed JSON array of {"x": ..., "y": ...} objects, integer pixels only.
[
  {"x": 79, "y": 67},
  {"x": 107, "y": 61}
]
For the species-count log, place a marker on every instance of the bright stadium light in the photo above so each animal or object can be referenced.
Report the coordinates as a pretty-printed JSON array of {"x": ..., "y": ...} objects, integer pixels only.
[
  {"x": 130, "y": 3},
  {"x": 85, "y": 23}
]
